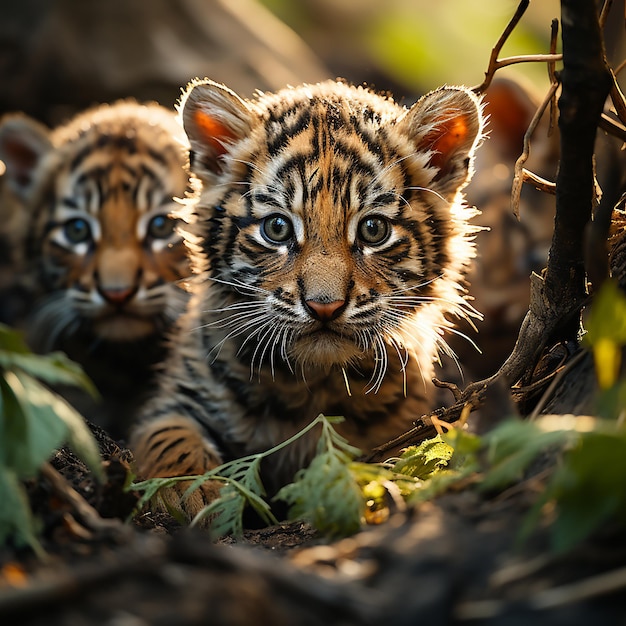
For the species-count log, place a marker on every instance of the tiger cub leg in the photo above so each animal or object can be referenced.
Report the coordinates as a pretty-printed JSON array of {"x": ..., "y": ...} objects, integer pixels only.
[{"x": 175, "y": 446}]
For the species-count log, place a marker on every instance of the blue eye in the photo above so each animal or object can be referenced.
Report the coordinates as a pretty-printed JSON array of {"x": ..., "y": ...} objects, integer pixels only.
[
  {"x": 77, "y": 230},
  {"x": 277, "y": 228},
  {"x": 374, "y": 230},
  {"x": 161, "y": 227}
]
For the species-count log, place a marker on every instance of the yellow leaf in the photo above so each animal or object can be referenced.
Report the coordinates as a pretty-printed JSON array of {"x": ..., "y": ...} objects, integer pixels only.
[{"x": 607, "y": 357}]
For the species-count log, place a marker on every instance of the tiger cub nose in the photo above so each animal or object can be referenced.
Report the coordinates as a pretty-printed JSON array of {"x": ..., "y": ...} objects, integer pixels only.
[
  {"x": 118, "y": 296},
  {"x": 325, "y": 311}
]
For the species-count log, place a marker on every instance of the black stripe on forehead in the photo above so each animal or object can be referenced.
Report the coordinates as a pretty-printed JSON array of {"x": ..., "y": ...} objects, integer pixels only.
[
  {"x": 80, "y": 157},
  {"x": 283, "y": 127},
  {"x": 117, "y": 141},
  {"x": 98, "y": 177},
  {"x": 294, "y": 163},
  {"x": 354, "y": 159}
]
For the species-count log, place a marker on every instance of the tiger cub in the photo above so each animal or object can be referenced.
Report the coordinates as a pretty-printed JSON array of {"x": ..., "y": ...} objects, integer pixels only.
[
  {"x": 105, "y": 261},
  {"x": 330, "y": 241}
]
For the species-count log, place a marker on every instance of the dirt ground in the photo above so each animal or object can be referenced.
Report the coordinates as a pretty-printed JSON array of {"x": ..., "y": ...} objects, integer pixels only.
[{"x": 455, "y": 561}]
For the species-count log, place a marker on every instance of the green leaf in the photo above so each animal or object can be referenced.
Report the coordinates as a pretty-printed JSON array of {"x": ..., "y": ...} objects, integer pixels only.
[
  {"x": 607, "y": 317},
  {"x": 31, "y": 429},
  {"x": 12, "y": 341},
  {"x": 226, "y": 513},
  {"x": 466, "y": 445},
  {"x": 326, "y": 495},
  {"x": 438, "y": 484},
  {"x": 13, "y": 429},
  {"x": 150, "y": 488},
  {"x": 35, "y": 422},
  {"x": 610, "y": 403},
  {"x": 16, "y": 519},
  {"x": 588, "y": 487},
  {"x": 330, "y": 439},
  {"x": 59, "y": 416},
  {"x": 426, "y": 459},
  {"x": 513, "y": 446},
  {"x": 247, "y": 472},
  {"x": 54, "y": 368}
]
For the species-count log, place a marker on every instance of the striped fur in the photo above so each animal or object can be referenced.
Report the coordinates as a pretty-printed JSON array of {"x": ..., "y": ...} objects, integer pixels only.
[
  {"x": 97, "y": 195},
  {"x": 330, "y": 243}
]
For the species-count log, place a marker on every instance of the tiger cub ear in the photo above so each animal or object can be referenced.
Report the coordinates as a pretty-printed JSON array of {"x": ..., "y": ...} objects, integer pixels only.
[
  {"x": 446, "y": 125},
  {"x": 23, "y": 144},
  {"x": 213, "y": 117}
]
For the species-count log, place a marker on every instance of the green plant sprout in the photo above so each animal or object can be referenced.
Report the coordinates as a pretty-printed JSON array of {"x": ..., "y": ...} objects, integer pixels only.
[
  {"x": 332, "y": 493},
  {"x": 243, "y": 484}
]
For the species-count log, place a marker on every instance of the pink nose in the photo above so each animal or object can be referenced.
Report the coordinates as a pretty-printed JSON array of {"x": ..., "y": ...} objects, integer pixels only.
[
  {"x": 325, "y": 311},
  {"x": 118, "y": 296}
]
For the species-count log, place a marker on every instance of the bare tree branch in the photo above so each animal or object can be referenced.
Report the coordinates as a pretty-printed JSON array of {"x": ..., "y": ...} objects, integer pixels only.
[
  {"x": 519, "y": 176},
  {"x": 496, "y": 64}
]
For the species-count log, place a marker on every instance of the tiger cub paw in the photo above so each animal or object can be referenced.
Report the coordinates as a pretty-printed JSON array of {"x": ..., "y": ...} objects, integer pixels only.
[{"x": 175, "y": 446}]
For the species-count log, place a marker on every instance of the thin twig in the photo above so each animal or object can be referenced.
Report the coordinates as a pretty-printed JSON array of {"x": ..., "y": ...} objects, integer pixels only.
[
  {"x": 518, "y": 571},
  {"x": 518, "y": 177},
  {"x": 495, "y": 63},
  {"x": 491, "y": 69},
  {"x": 521, "y": 392},
  {"x": 547, "y": 186},
  {"x": 606, "y": 7},
  {"x": 618, "y": 99},
  {"x": 528, "y": 58},
  {"x": 452, "y": 387}
]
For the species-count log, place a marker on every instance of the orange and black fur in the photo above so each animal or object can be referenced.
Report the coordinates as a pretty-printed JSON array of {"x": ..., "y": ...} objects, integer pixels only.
[
  {"x": 99, "y": 253},
  {"x": 330, "y": 242}
]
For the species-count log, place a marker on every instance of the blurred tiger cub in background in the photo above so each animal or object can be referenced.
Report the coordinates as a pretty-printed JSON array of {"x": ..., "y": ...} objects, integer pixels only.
[
  {"x": 331, "y": 242},
  {"x": 95, "y": 244}
]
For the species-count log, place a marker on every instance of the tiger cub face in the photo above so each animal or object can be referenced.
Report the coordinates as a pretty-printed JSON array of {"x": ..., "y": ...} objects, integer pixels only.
[
  {"x": 97, "y": 195},
  {"x": 331, "y": 225}
]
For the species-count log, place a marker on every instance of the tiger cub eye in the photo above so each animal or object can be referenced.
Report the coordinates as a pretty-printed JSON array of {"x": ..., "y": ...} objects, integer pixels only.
[
  {"x": 77, "y": 230},
  {"x": 161, "y": 227},
  {"x": 374, "y": 230},
  {"x": 277, "y": 229}
]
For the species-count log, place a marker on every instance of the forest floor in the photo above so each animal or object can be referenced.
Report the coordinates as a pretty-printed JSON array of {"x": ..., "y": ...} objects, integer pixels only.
[{"x": 454, "y": 561}]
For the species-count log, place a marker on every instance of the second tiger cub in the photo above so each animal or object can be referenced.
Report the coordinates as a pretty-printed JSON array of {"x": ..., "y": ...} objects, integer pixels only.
[{"x": 97, "y": 244}]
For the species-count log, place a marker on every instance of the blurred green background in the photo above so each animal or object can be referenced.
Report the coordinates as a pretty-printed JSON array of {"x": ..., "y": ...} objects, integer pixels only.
[
  {"x": 417, "y": 44},
  {"x": 58, "y": 56}
]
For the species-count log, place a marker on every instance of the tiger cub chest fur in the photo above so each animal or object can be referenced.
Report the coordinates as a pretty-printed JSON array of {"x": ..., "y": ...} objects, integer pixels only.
[
  {"x": 105, "y": 261},
  {"x": 330, "y": 242}
]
